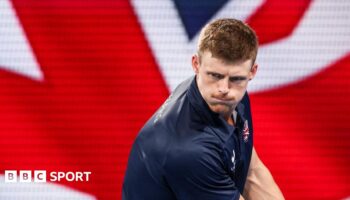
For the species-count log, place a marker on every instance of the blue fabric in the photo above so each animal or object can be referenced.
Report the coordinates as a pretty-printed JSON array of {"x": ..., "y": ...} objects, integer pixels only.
[
  {"x": 185, "y": 151},
  {"x": 195, "y": 14}
]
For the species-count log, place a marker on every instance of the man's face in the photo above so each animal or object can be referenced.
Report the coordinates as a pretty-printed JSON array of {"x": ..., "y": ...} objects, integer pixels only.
[{"x": 221, "y": 84}]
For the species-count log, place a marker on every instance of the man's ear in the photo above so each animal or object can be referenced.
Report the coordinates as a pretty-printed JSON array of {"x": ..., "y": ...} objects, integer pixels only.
[
  {"x": 195, "y": 63},
  {"x": 253, "y": 71}
]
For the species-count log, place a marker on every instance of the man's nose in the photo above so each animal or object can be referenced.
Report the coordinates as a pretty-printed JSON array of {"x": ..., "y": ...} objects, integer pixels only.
[{"x": 224, "y": 86}]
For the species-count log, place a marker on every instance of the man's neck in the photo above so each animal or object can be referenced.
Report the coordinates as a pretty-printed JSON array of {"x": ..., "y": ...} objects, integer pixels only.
[
  {"x": 230, "y": 121},
  {"x": 230, "y": 117}
]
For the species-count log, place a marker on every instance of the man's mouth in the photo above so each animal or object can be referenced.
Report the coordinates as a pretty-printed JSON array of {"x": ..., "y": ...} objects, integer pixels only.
[{"x": 227, "y": 102}]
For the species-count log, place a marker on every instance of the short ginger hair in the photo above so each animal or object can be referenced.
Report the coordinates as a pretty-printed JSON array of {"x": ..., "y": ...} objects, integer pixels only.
[{"x": 228, "y": 39}]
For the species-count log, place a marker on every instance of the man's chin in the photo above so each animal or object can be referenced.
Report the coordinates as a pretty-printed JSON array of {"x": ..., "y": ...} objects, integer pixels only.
[{"x": 221, "y": 109}]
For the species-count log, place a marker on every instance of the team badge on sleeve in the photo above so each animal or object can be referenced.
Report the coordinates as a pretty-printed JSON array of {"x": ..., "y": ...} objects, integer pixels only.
[{"x": 246, "y": 131}]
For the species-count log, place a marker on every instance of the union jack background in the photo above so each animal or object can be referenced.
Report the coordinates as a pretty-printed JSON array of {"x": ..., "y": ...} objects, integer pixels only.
[{"x": 79, "y": 78}]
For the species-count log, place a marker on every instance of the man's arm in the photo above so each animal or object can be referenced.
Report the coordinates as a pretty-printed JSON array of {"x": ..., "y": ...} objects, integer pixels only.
[
  {"x": 260, "y": 183},
  {"x": 196, "y": 172}
]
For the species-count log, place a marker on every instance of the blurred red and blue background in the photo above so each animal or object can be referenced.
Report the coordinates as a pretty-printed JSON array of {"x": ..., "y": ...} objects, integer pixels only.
[{"x": 78, "y": 79}]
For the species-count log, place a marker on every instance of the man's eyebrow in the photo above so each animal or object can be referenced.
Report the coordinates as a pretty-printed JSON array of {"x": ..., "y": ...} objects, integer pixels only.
[
  {"x": 216, "y": 73},
  {"x": 238, "y": 78},
  {"x": 234, "y": 78}
]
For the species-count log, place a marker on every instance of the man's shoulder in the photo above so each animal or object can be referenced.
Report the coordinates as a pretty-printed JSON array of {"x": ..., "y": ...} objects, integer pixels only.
[
  {"x": 163, "y": 125},
  {"x": 172, "y": 109}
]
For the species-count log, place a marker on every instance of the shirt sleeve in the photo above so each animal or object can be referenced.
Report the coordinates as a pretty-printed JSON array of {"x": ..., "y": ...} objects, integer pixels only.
[{"x": 199, "y": 173}]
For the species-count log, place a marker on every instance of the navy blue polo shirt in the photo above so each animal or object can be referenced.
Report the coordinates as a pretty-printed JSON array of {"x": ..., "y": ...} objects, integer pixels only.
[{"x": 186, "y": 151}]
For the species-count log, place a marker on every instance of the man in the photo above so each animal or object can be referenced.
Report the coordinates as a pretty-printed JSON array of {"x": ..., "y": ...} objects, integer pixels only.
[{"x": 199, "y": 144}]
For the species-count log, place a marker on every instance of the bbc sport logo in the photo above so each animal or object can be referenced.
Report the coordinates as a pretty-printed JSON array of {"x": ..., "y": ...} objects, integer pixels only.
[{"x": 41, "y": 176}]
